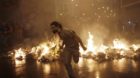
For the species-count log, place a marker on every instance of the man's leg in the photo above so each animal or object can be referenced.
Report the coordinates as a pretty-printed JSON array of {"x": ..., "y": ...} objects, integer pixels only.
[
  {"x": 75, "y": 56},
  {"x": 67, "y": 63},
  {"x": 70, "y": 70}
]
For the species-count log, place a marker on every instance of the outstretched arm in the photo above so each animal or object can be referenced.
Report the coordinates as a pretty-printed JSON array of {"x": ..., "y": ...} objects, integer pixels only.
[{"x": 80, "y": 41}]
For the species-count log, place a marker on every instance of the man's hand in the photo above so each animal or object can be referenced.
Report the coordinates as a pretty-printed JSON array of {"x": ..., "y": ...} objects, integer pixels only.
[{"x": 84, "y": 48}]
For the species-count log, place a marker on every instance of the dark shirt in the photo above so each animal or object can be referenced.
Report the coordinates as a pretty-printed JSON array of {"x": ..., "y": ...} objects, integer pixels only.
[{"x": 69, "y": 39}]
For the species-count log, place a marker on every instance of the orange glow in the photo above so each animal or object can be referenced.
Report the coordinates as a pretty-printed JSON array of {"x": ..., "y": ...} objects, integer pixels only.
[
  {"x": 19, "y": 53},
  {"x": 44, "y": 49},
  {"x": 50, "y": 49},
  {"x": 102, "y": 48},
  {"x": 135, "y": 47},
  {"x": 90, "y": 43},
  {"x": 118, "y": 44}
]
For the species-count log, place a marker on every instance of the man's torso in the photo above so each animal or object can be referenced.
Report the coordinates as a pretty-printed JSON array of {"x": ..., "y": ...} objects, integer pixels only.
[{"x": 69, "y": 40}]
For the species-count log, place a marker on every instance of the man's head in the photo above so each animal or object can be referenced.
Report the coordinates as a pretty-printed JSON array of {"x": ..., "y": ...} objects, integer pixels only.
[{"x": 56, "y": 27}]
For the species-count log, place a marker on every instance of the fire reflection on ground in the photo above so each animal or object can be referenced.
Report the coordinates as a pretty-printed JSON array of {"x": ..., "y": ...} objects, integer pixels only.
[
  {"x": 99, "y": 70},
  {"x": 86, "y": 68},
  {"x": 46, "y": 68}
]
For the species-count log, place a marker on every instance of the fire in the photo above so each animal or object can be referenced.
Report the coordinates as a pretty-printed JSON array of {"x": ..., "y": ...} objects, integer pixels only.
[
  {"x": 49, "y": 50},
  {"x": 82, "y": 52},
  {"x": 91, "y": 47},
  {"x": 19, "y": 54},
  {"x": 102, "y": 48},
  {"x": 90, "y": 43},
  {"x": 135, "y": 47},
  {"x": 44, "y": 49},
  {"x": 118, "y": 48},
  {"x": 118, "y": 44}
]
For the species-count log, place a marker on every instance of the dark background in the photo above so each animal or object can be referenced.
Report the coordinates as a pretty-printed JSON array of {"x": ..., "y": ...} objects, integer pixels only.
[{"x": 27, "y": 21}]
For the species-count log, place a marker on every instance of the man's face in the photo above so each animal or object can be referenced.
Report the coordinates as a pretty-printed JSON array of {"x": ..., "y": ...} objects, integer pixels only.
[{"x": 54, "y": 29}]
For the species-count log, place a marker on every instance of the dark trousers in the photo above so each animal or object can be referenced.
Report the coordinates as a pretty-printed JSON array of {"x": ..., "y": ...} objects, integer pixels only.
[
  {"x": 66, "y": 58},
  {"x": 70, "y": 70}
]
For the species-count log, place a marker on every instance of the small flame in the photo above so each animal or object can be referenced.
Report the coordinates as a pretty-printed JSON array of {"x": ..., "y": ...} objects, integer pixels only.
[
  {"x": 20, "y": 53},
  {"x": 135, "y": 47},
  {"x": 102, "y": 48},
  {"x": 44, "y": 49},
  {"x": 82, "y": 52},
  {"x": 118, "y": 44}
]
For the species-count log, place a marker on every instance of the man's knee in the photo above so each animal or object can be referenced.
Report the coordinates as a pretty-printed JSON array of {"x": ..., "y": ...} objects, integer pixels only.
[{"x": 76, "y": 57}]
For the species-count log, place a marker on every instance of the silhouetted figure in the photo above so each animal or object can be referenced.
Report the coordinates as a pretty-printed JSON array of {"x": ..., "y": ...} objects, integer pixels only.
[
  {"x": 70, "y": 46},
  {"x": 6, "y": 36}
]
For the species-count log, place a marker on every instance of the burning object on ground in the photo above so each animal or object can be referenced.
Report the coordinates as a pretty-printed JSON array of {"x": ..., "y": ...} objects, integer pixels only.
[
  {"x": 129, "y": 54},
  {"x": 100, "y": 56},
  {"x": 138, "y": 51},
  {"x": 44, "y": 51},
  {"x": 20, "y": 54},
  {"x": 119, "y": 49},
  {"x": 87, "y": 55},
  {"x": 48, "y": 53},
  {"x": 48, "y": 58},
  {"x": 45, "y": 58},
  {"x": 30, "y": 57},
  {"x": 137, "y": 54}
]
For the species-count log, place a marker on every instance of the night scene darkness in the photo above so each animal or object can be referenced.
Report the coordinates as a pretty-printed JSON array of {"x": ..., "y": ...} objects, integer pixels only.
[{"x": 69, "y": 38}]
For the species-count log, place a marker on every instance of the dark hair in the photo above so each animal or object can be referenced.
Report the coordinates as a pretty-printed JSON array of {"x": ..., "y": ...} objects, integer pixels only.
[{"x": 56, "y": 24}]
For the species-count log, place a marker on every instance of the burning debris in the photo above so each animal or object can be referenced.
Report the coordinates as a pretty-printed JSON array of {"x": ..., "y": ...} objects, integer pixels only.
[
  {"x": 118, "y": 49},
  {"x": 44, "y": 52},
  {"x": 20, "y": 54},
  {"x": 49, "y": 51}
]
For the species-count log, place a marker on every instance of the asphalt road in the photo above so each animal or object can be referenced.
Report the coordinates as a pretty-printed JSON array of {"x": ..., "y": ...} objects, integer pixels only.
[{"x": 86, "y": 68}]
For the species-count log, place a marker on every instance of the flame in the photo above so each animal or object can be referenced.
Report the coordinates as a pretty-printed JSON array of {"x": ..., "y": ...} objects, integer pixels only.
[
  {"x": 82, "y": 52},
  {"x": 122, "y": 52},
  {"x": 102, "y": 48},
  {"x": 90, "y": 44},
  {"x": 44, "y": 48},
  {"x": 34, "y": 50},
  {"x": 118, "y": 44},
  {"x": 20, "y": 53},
  {"x": 91, "y": 47},
  {"x": 50, "y": 49},
  {"x": 135, "y": 47}
]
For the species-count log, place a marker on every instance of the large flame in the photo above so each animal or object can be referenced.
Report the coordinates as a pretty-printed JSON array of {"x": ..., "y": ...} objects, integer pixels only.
[
  {"x": 91, "y": 47},
  {"x": 90, "y": 43},
  {"x": 50, "y": 49}
]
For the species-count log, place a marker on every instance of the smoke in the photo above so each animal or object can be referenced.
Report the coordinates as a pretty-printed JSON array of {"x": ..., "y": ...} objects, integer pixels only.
[
  {"x": 99, "y": 32},
  {"x": 33, "y": 18},
  {"x": 81, "y": 16}
]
